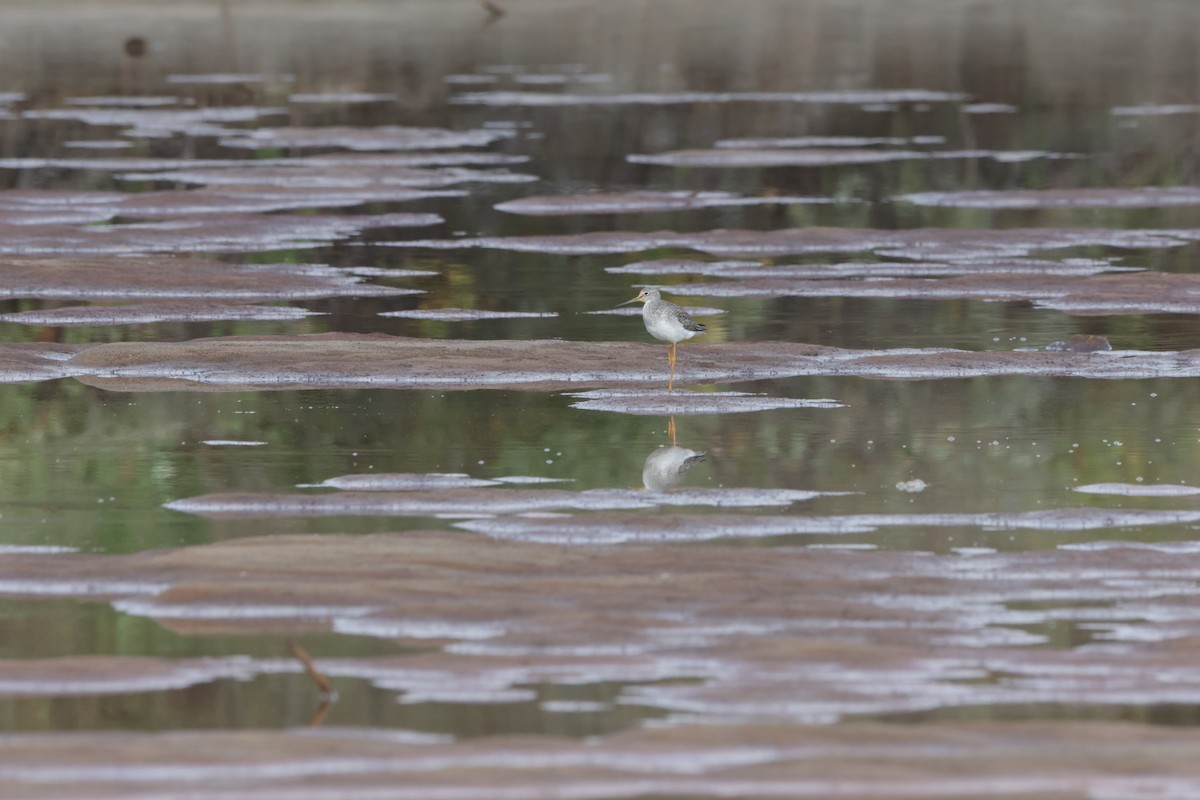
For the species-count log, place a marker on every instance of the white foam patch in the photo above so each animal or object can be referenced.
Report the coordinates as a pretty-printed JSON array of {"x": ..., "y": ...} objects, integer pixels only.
[
  {"x": 158, "y": 122},
  {"x": 849, "y": 97},
  {"x": 402, "y": 482},
  {"x": 1139, "y": 489},
  {"x": 1130, "y": 633},
  {"x": 1156, "y": 110},
  {"x": 974, "y": 551},
  {"x": 876, "y": 269},
  {"x": 978, "y": 265},
  {"x": 148, "y": 165},
  {"x": 214, "y": 233},
  {"x": 404, "y": 505},
  {"x": 99, "y": 144},
  {"x": 734, "y": 498},
  {"x": 490, "y": 501},
  {"x": 575, "y": 706},
  {"x": 111, "y": 164},
  {"x": 642, "y": 202},
  {"x": 250, "y": 200},
  {"x": 342, "y": 97},
  {"x": 682, "y": 266},
  {"x": 72, "y": 216},
  {"x": 418, "y": 628},
  {"x": 1156, "y": 547},
  {"x": 728, "y": 158},
  {"x": 817, "y": 157},
  {"x": 652, "y": 402},
  {"x": 383, "y": 272},
  {"x": 584, "y": 530},
  {"x": 130, "y": 101},
  {"x": 167, "y": 677},
  {"x": 232, "y": 443},
  {"x": 466, "y": 315},
  {"x": 530, "y": 479},
  {"x": 1067, "y": 519},
  {"x": 141, "y": 774},
  {"x": 471, "y": 80},
  {"x": 1123, "y": 197},
  {"x": 242, "y": 611},
  {"x": 23, "y": 375},
  {"x": 376, "y": 734},
  {"x": 549, "y": 79},
  {"x": 992, "y": 637},
  {"x": 138, "y": 315},
  {"x": 383, "y": 137},
  {"x": 1166, "y": 305},
  {"x": 377, "y": 171},
  {"x": 481, "y": 696},
  {"x": 82, "y": 588},
  {"x": 432, "y": 158},
  {"x": 220, "y": 78},
  {"x": 630, "y": 311},
  {"x": 15, "y": 549},
  {"x": 842, "y": 546},
  {"x": 825, "y": 141},
  {"x": 989, "y": 108}
]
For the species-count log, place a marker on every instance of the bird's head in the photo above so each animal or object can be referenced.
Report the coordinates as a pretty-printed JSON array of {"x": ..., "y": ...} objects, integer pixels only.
[{"x": 644, "y": 296}]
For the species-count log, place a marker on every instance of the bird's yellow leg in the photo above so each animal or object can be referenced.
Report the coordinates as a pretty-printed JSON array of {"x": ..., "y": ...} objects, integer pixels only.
[
  {"x": 671, "y": 429},
  {"x": 671, "y": 359}
]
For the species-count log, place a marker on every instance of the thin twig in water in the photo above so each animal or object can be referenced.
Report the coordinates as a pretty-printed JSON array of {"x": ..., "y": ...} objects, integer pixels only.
[
  {"x": 311, "y": 670},
  {"x": 318, "y": 717}
]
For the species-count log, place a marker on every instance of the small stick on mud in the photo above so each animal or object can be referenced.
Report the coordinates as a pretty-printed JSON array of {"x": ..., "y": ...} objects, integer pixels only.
[
  {"x": 318, "y": 717},
  {"x": 310, "y": 669},
  {"x": 493, "y": 10}
]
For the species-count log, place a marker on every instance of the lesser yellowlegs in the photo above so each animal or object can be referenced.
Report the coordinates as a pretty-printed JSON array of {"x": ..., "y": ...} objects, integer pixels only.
[{"x": 666, "y": 321}]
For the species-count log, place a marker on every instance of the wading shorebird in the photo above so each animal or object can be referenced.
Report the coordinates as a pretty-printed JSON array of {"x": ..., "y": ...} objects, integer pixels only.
[{"x": 666, "y": 321}]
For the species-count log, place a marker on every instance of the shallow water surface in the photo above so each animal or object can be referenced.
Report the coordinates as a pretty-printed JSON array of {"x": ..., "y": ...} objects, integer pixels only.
[{"x": 308, "y": 335}]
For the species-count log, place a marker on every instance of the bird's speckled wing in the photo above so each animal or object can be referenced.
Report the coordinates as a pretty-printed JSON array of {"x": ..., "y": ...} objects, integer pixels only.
[{"x": 687, "y": 322}]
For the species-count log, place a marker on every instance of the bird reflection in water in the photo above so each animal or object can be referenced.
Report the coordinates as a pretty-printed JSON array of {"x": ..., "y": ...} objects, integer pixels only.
[{"x": 667, "y": 466}]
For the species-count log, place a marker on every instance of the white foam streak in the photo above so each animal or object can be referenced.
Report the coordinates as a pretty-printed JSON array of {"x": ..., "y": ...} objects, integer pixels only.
[
  {"x": 850, "y": 97},
  {"x": 418, "y": 628},
  {"x": 1139, "y": 489},
  {"x": 82, "y": 588},
  {"x": 165, "y": 610}
]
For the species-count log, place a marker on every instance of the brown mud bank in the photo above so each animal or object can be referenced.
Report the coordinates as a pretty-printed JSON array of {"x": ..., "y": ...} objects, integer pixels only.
[
  {"x": 141, "y": 278},
  {"x": 380, "y": 361},
  {"x": 918, "y": 243},
  {"x": 1122, "y": 293},
  {"x": 707, "y": 632},
  {"x": 1034, "y": 760}
]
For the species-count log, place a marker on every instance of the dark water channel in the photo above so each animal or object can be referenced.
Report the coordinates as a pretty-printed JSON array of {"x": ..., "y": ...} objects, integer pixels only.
[{"x": 1022, "y": 96}]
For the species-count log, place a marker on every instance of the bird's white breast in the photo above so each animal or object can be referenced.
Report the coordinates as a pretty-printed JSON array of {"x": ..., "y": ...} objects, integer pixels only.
[{"x": 666, "y": 329}]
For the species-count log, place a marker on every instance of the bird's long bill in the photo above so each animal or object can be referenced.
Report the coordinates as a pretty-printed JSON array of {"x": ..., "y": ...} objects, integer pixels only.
[{"x": 627, "y": 302}]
